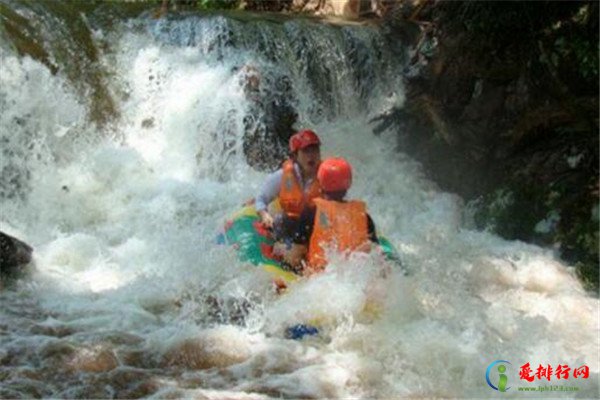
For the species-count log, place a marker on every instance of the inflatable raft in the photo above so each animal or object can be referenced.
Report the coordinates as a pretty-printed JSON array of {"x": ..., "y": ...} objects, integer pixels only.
[{"x": 254, "y": 244}]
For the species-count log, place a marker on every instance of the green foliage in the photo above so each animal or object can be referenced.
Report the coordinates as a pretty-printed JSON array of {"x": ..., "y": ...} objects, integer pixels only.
[
  {"x": 515, "y": 212},
  {"x": 511, "y": 212},
  {"x": 513, "y": 22},
  {"x": 580, "y": 50},
  {"x": 217, "y": 4},
  {"x": 568, "y": 30},
  {"x": 507, "y": 21}
]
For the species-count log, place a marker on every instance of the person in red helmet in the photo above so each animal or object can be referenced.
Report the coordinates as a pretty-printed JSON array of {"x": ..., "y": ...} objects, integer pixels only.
[
  {"x": 294, "y": 184},
  {"x": 334, "y": 221}
]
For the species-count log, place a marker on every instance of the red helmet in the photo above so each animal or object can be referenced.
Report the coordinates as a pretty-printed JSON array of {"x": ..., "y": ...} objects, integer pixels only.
[
  {"x": 334, "y": 175},
  {"x": 303, "y": 139}
]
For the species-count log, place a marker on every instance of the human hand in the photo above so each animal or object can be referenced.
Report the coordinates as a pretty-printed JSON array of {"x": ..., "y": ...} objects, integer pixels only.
[
  {"x": 295, "y": 255},
  {"x": 279, "y": 285},
  {"x": 266, "y": 219}
]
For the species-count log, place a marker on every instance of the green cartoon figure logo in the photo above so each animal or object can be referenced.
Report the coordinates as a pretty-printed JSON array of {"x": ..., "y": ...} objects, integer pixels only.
[{"x": 502, "y": 378}]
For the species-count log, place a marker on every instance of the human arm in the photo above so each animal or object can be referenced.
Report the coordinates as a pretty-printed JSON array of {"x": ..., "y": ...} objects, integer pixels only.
[
  {"x": 371, "y": 230},
  {"x": 269, "y": 191}
]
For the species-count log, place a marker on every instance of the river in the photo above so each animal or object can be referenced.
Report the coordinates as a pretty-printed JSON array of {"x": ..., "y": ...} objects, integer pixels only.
[{"x": 132, "y": 297}]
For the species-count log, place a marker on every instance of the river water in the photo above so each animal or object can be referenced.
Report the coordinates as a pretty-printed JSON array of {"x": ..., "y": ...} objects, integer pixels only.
[{"x": 130, "y": 295}]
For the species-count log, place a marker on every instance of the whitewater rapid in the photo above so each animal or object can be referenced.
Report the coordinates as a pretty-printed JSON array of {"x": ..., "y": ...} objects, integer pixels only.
[{"x": 123, "y": 220}]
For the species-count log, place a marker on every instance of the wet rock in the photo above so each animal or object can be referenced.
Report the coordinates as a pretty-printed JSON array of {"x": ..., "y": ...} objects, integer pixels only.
[
  {"x": 55, "y": 351},
  {"x": 8, "y": 393},
  {"x": 52, "y": 330},
  {"x": 29, "y": 388},
  {"x": 12, "y": 356},
  {"x": 215, "y": 348},
  {"x": 340, "y": 8},
  {"x": 175, "y": 394},
  {"x": 136, "y": 358},
  {"x": 139, "y": 390},
  {"x": 31, "y": 373},
  {"x": 269, "y": 122},
  {"x": 88, "y": 391},
  {"x": 345, "y": 8},
  {"x": 132, "y": 383},
  {"x": 14, "y": 256},
  {"x": 122, "y": 338},
  {"x": 487, "y": 115},
  {"x": 93, "y": 360}
]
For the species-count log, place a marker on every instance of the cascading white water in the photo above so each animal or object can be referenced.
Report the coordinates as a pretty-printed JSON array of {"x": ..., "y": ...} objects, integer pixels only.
[{"x": 123, "y": 222}]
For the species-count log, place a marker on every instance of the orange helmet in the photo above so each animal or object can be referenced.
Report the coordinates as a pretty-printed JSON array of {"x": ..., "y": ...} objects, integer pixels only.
[
  {"x": 334, "y": 175},
  {"x": 303, "y": 139}
]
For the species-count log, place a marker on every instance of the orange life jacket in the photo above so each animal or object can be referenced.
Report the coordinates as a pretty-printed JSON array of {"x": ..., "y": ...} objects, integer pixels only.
[
  {"x": 291, "y": 196},
  {"x": 342, "y": 225}
]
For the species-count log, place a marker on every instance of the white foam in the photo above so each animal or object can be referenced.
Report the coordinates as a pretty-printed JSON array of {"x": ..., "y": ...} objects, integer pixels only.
[{"x": 124, "y": 234}]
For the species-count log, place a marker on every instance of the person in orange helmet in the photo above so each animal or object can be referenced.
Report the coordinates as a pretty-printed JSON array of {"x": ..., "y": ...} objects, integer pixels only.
[
  {"x": 334, "y": 221},
  {"x": 294, "y": 184}
]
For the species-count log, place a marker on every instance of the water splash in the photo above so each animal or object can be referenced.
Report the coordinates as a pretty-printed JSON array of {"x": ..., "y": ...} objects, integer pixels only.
[{"x": 131, "y": 297}]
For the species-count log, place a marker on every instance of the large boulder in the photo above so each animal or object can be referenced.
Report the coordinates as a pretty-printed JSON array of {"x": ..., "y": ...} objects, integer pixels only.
[{"x": 15, "y": 255}]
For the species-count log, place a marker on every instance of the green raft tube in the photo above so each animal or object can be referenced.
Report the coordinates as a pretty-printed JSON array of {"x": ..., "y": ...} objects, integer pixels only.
[{"x": 255, "y": 245}]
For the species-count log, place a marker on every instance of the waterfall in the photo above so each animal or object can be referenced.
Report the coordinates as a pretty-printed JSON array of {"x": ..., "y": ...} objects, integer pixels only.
[{"x": 131, "y": 296}]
